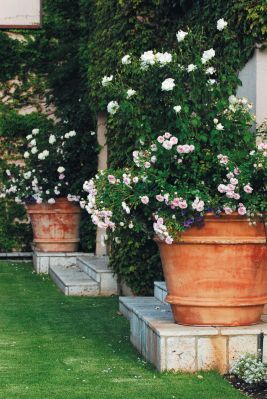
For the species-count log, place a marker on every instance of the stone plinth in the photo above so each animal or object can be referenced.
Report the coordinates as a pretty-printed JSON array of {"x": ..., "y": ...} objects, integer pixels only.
[{"x": 170, "y": 346}]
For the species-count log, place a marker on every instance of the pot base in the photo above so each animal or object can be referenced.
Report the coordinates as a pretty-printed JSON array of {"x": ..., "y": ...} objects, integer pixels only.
[{"x": 219, "y": 317}]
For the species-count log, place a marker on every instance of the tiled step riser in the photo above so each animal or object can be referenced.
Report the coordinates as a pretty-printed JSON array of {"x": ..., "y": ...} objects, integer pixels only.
[
  {"x": 88, "y": 270},
  {"x": 183, "y": 348},
  {"x": 107, "y": 282}
]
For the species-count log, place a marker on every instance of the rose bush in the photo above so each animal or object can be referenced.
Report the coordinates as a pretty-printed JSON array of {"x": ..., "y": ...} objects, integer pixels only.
[
  {"x": 46, "y": 171},
  {"x": 197, "y": 150}
]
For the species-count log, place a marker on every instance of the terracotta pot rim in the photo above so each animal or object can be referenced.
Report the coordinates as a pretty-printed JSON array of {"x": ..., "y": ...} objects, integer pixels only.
[{"x": 211, "y": 302}]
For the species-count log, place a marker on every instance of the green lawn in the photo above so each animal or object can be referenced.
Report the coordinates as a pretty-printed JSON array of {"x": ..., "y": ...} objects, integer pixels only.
[{"x": 55, "y": 347}]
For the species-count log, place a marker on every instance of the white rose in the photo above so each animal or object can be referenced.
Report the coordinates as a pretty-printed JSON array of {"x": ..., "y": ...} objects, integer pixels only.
[
  {"x": 34, "y": 150},
  {"x": 181, "y": 35},
  {"x": 29, "y": 137},
  {"x": 207, "y": 55},
  {"x": 191, "y": 67},
  {"x": 26, "y": 154},
  {"x": 52, "y": 139},
  {"x": 27, "y": 175},
  {"x": 35, "y": 131},
  {"x": 61, "y": 169},
  {"x": 106, "y": 80},
  {"x": 211, "y": 82},
  {"x": 177, "y": 108},
  {"x": 113, "y": 107},
  {"x": 72, "y": 133},
  {"x": 167, "y": 84},
  {"x": 210, "y": 71},
  {"x": 219, "y": 126},
  {"x": 221, "y": 24},
  {"x": 45, "y": 153},
  {"x": 51, "y": 201},
  {"x": 148, "y": 58},
  {"x": 130, "y": 93},
  {"x": 33, "y": 143},
  {"x": 163, "y": 58},
  {"x": 126, "y": 60}
]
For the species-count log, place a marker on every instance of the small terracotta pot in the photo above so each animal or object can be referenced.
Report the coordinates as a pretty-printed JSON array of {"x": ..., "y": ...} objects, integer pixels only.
[
  {"x": 217, "y": 275},
  {"x": 55, "y": 226}
]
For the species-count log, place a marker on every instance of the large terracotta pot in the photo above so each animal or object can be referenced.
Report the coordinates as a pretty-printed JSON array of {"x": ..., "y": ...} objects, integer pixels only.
[
  {"x": 55, "y": 226},
  {"x": 217, "y": 275}
]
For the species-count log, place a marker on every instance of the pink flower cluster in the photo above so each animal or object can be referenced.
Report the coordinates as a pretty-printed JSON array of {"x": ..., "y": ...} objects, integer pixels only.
[
  {"x": 168, "y": 141},
  {"x": 223, "y": 159},
  {"x": 161, "y": 230},
  {"x": 101, "y": 218},
  {"x": 176, "y": 202},
  {"x": 198, "y": 205}
]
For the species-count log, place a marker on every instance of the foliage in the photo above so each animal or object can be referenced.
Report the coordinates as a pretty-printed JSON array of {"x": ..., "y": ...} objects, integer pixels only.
[
  {"x": 15, "y": 230},
  {"x": 125, "y": 27},
  {"x": 48, "y": 170},
  {"x": 250, "y": 369},
  {"x": 203, "y": 157},
  {"x": 49, "y": 64}
]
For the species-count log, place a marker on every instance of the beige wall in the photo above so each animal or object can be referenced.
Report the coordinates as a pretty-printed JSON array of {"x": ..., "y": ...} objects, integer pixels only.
[
  {"x": 20, "y": 12},
  {"x": 254, "y": 79}
]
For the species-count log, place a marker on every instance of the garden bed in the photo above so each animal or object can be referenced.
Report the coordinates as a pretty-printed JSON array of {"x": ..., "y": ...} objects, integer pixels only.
[{"x": 255, "y": 391}]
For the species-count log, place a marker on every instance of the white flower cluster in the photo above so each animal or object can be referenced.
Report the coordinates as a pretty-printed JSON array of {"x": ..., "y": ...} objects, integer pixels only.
[
  {"x": 207, "y": 55},
  {"x": 107, "y": 80},
  {"x": 249, "y": 369},
  {"x": 112, "y": 107},
  {"x": 168, "y": 84},
  {"x": 150, "y": 58},
  {"x": 181, "y": 35}
]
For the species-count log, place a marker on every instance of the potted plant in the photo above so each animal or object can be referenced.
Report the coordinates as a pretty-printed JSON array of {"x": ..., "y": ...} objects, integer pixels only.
[
  {"x": 197, "y": 182},
  {"x": 43, "y": 182}
]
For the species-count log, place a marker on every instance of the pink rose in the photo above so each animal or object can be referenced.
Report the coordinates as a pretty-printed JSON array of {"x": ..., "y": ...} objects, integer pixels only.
[
  {"x": 167, "y": 135},
  {"x": 160, "y": 139},
  {"x": 169, "y": 240},
  {"x": 236, "y": 196},
  {"x": 159, "y": 198},
  {"x": 167, "y": 145},
  {"x": 111, "y": 179},
  {"x": 248, "y": 189},
  {"x": 183, "y": 204},
  {"x": 228, "y": 210},
  {"x": 174, "y": 140},
  {"x": 145, "y": 199},
  {"x": 234, "y": 181},
  {"x": 242, "y": 210}
]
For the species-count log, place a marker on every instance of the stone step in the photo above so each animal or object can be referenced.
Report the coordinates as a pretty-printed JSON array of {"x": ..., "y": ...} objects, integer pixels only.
[
  {"x": 96, "y": 267},
  {"x": 72, "y": 281},
  {"x": 160, "y": 290},
  {"x": 170, "y": 346}
]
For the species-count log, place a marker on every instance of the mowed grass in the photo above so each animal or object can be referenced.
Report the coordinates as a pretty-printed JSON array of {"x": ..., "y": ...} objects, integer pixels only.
[{"x": 57, "y": 347}]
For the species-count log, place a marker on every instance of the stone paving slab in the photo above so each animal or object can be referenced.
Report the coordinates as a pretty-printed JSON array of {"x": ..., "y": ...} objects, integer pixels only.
[
  {"x": 170, "y": 346},
  {"x": 73, "y": 281}
]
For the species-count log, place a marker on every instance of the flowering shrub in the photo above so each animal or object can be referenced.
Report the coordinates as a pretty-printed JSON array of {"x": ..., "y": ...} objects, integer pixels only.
[
  {"x": 249, "y": 369},
  {"x": 201, "y": 157},
  {"x": 45, "y": 173}
]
